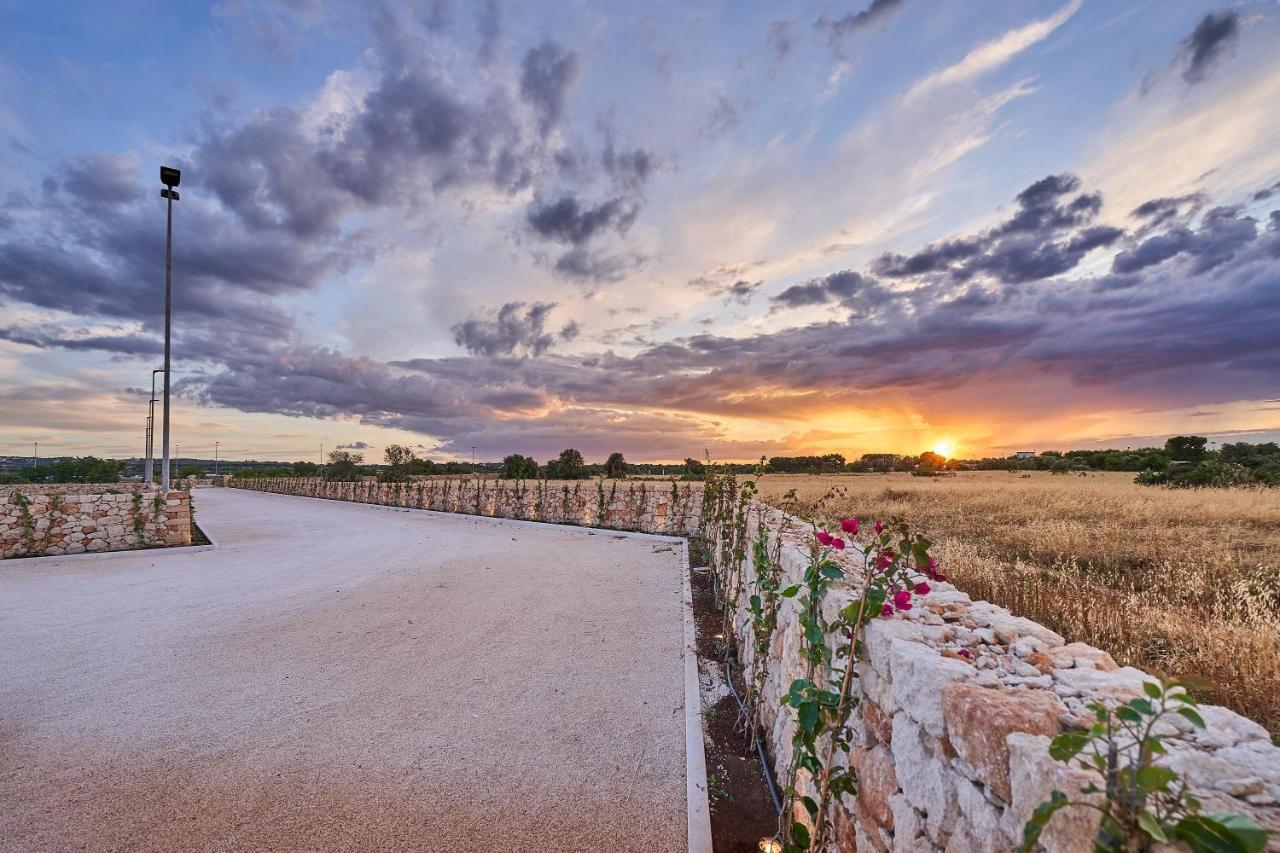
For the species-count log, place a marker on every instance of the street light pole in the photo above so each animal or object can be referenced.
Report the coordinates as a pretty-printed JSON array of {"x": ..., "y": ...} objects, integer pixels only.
[
  {"x": 170, "y": 178},
  {"x": 215, "y": 459}
]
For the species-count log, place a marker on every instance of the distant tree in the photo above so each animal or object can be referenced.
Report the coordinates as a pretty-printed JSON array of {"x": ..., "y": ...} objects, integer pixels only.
[
  {"x": 517, "y": 467},
  {"x": 398, "y": 459},
  {"x": 190, "y": 471},
  {"x": 569, "y": 466},
  {"x": 694, "y": 470},
  {"x": 930, "y": 463},
  {"x": 423, "y": 466},
  {"x": 344, "y": 466},
  {"x": 83, "y": 469},
  {"x": 304, "y": 469},
  {"x": 1186, "y": 448},
  {"x": 615, "y": 467},
  {"x": 827, "y": 464}
]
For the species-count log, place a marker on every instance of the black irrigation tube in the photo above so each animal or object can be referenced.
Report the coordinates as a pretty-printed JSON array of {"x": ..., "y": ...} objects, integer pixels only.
[
  {"x": 764, "y": 761},
  {"x": 728, "y": 672}
]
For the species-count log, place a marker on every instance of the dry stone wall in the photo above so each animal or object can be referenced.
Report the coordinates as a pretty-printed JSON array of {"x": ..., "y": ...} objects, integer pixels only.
[
  {"x": 47, "y": 520},
  {"x": 951, "y": 748},
  {"x": 668, "y": 508}
]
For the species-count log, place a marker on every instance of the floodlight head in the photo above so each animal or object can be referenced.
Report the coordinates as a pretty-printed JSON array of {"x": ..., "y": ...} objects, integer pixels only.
[{"x": 170, "y": 177}]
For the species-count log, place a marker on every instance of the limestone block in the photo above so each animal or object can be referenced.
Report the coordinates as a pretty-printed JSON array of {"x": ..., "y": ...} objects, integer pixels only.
[
  {"x": 978, "y": 720},
  {"x": 1083, "y": 656},
  {"x": 919, "y": 674},
  {"x": 1033, "y": 776},
  {"x": 925, "y": 780}
]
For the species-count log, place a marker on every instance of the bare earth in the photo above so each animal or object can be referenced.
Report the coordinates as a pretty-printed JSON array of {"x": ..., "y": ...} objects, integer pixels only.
[{"x": 345, "y": 677}]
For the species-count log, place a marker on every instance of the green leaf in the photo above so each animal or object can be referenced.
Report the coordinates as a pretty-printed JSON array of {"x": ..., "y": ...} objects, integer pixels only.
[
  {"x": 1067, "y": 746},
  {"x": 791, "y": 591},
  {"x": 1142, "y": 706},
  {"x": 1151, "y": 826},
  {"x": 831, "y": 571},
  {"x": 808, "y": 715},
  {"x": 800, "y": 834},
  {"x": 1221, "y": 833},
  {"x": 1192, "y": 715},
  {"x": 1151, "y": 689},
  {"x": 1040, "y": 818},
  {"x": 1124, "y": 712},
  {"x": 1154, "y": 778},
  {"x": 810, "y": 805}
]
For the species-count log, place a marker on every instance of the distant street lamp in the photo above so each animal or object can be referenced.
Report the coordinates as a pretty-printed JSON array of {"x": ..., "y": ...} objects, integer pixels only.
[
  {"x": 150, "y": 475},
  {"x": 170, "y": 178},
  {"x": 215, "y": 459}
]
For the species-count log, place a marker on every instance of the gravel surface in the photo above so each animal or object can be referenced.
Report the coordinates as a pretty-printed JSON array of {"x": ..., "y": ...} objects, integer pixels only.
[{"x": 346, "y": 677}]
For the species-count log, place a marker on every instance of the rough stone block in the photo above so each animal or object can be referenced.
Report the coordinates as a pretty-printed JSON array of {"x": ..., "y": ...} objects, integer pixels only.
[{"x": 979, "y": 719}]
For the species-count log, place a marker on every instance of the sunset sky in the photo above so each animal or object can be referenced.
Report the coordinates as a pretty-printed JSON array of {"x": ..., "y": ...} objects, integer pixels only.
[{"x": 662, "y": 228}]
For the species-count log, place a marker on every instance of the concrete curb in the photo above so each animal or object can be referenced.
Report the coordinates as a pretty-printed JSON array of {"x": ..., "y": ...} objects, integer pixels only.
[{"x": 699, "y": 808}]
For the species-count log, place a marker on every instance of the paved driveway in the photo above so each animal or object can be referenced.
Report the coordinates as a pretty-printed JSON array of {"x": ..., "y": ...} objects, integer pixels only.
[{"x": 346, "y": 677}]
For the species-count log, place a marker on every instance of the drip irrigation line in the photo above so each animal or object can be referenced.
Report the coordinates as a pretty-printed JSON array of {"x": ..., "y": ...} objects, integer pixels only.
[{"x": 764, "y": 761}]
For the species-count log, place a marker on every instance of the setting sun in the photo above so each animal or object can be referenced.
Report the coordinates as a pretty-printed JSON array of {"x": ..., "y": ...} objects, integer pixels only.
[{"x": 944, "y": 448}]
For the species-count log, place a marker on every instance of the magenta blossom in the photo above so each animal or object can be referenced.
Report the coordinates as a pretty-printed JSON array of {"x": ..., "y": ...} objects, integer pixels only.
[
  {"x": 902, "y": 600},
  {"x": 849, "y": 525},
  {"x": 824, "y": 537},
  {"x": 837, "y": 543},
  {"x": 886, "y": 611},
  {"x": 922, "y": 589},
  {"x": 965, "y": 653},
  {"x": 879, "y": 528}
]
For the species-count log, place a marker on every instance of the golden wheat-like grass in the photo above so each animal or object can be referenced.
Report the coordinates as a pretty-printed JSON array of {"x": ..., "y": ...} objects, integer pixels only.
[{"x": 1183, "y": 583}]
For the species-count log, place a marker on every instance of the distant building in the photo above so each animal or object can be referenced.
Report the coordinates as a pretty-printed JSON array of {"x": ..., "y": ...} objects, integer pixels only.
[{"x": 1025, "y": 454}]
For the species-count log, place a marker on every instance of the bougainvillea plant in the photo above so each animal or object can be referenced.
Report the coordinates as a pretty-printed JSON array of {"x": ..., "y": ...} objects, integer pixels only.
[
  {"x": 1142, "y": 803},
  {"x": 896, "y": 567}
]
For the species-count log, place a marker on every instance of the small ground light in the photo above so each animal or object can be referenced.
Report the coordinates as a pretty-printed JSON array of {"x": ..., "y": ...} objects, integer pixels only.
[{"x": 770, "y": 845}]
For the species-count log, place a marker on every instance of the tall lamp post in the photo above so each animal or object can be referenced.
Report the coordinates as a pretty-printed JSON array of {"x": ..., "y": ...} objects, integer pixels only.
[
  {"x": 170, "y": 178},
  {"x": 215, "y": 458}
]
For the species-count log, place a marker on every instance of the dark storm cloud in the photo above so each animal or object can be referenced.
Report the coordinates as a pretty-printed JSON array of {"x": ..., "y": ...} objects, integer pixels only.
[
  {"x": 547, "y": 73},
  {"x": 106, "y": 179},
  {"x": 50, "y": 337},
  {"x": 841, "y": 28},
  {"x": 741, "y": 291},
  {"x": 565, "y": 220},
  {"x": 1223, "y": 231},
  {"x": 1161, "y": 211},
  {"x": 515, "y": 328},
  {"x": 355, "y": 445},
  {"x": 837, "y": 287},
  {"x": 1212, "y": 37},
  {"x": 1047, "y": 235}
]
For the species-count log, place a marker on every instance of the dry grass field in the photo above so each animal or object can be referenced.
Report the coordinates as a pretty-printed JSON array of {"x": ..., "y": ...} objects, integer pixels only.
[{"x": 1184, "y": 583}]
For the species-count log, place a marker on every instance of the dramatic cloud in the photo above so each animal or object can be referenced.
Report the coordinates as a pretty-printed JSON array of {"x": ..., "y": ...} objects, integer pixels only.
[
  {"x": 515, "y": 328},
  {"x": 1047, "y": 235},
  {"x": 547, "y": 74},
  {"x": 565, "y": 220},
  {"x": 1212, "y": 37}
]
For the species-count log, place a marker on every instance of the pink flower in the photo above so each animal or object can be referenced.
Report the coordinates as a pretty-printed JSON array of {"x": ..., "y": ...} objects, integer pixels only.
[
  {"x": 824, "y": 537},
  {"x": 837, "y": 543},
  {"x": 922, "y": 589},
  {"x": 879, "y": 528},
  {"x": 886, "y": 611},
  {"x": 965, "y": 653},
  {"x": 902, "y": 600},
  {"x": 849, "y": 525},
  {"x": 884, "y": 559}
]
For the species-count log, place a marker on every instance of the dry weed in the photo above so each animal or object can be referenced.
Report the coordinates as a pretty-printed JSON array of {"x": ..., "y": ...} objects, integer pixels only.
[{"x": 1181, "y": 583}]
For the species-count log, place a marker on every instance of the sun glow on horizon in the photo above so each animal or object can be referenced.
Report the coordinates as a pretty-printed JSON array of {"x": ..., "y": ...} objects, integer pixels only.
[{"x": 944, "y": 447}]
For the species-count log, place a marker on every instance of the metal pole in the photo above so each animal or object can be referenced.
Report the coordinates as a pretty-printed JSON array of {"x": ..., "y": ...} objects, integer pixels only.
[
  {"x": 215, "y": 459},
  {"x": 150, "y": 474},
  {"x": 168, "y": 310},
  {"x": 35, "y": 455}
]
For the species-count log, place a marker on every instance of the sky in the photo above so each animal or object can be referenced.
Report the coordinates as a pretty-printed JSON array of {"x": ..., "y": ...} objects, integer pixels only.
[{"x": 664, "y": 228}]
